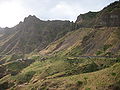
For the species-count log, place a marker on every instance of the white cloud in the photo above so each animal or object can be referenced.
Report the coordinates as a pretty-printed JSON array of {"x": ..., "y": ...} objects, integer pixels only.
[
  {"x": 13, "y": 11},
  {"x": 10, "y": 13}
]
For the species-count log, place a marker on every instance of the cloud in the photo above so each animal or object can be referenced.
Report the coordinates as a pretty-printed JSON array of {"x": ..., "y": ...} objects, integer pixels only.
[
  {"x": 63, "y": 9},
  {"x": 13, "y": 11}
]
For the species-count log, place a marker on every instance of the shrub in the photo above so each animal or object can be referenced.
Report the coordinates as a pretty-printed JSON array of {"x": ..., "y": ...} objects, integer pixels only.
[
  {"x": 118, "y": 59},
  {"x": 35, "y": 57},
  {"x": 90, "y": 68},
  {"x": 79, "y": 83},
  {"x": 75, "y": 51},
  {"x": 105, "y": 47},
  {"x": 24, "y": 77},
  {"x": 99, "y": 53},
  {"x": 87, "y": 89},
  {"x": 16, "y": 56},
  {"x": 113, "y": 74}
]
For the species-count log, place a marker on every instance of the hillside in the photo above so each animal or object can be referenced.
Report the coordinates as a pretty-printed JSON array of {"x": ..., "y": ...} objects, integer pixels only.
[
  {"x": 103, "y": 41},
  {"x": 93, "y": 39},
  {"x": 62, "y": 55},
  {"x": 109, "y": 17},
  {"x": 32, "y": 34}
]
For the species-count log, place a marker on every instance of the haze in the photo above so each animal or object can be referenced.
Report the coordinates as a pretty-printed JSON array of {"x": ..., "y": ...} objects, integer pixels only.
[{"x": 14, "y": 11}]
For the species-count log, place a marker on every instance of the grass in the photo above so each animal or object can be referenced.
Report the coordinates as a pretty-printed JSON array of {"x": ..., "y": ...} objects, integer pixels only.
[
  {"x": 77, "y": 72},
  {"x": 24, "y": 77},
  {"x": 18, "y": 65},
  {"x": 75, "y": 51}
]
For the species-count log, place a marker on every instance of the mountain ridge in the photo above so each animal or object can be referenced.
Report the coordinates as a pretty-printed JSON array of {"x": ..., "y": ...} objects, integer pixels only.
[
  {"x": 34, "y": 28},
  {"x": 62, "y": 55}
]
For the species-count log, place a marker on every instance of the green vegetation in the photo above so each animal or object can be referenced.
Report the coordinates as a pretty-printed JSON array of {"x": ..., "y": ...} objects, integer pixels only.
[
  {"x": 105, "y": 47},
  {"x": 113, "y": 74},
  {"x": 74, "y": 70},
  {"x": 24, "y": 77},
  {"x": 65, "y": 64},
  {"x": 103, "y": 50},
  {"x": 99, "y": 53},
  {"x": 79, "y": 83},
  {"x": 36, "y": 57},
  {"x": 18, "y": 65},
  {"x": 87, "y": 89},
  {"x": 75, "y": 51}
]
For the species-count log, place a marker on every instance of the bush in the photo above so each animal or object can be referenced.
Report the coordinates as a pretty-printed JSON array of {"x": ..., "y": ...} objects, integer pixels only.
[
  {"x": 79, "y": 83},
  {"x": 35, "y": 57},
  {"x": 105, "y": 47},
  {"x": 25, "y": 77},
  {"x": 90, "y": 68},
  {"x": 99, "y": 53},
  {"x": 118, "y": 59},
  {"x": 87, "y": 89},
  {"x": 113, "y": 74},
  {"x": 16, "y": 56},
  {"x": 75, "y": 51}
]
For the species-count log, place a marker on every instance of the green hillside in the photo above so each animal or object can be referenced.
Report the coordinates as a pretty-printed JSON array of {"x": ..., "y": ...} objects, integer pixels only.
[{"x": 62, "y": 55}]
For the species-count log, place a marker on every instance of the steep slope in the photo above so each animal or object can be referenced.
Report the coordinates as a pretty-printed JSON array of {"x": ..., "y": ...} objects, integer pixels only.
[
  {"x": 68, "y": 42},
  {"x": 102, "y": 41},
  {"x": 32, "y": 34},
  {"x": 68, "y": 62},
  {"x": 109, "y": 17},
  {"x": 59, "y": 73},
  {"x": 86, "y": 20}
]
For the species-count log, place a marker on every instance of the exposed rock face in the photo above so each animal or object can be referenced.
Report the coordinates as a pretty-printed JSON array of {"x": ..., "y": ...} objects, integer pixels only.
[
  {"x": 32, "y": 34},
  {"x": 86, "y": 20},
  {"x": 88, "y": 42},
  {"x": 108, "y": 17},
  {"x": 102, "y": 36}
]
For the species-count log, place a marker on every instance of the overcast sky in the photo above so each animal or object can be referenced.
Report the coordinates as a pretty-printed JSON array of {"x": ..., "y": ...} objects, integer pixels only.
[{"x": 14, "y": 11}]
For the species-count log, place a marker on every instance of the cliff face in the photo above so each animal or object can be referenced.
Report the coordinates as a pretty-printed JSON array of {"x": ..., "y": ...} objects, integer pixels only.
[
  {"x": 32, "y": 35},
  {"x": 67, "y": 59},
  {"x": 88, "y": 42},
  {"x": 108, "y": 17},
  {"x": 86, "y": 20},
  {"x": 99, "y": 34}
]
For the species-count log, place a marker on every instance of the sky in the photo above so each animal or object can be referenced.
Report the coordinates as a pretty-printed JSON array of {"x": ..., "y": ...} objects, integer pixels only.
[{"x": 14, "y": 11}]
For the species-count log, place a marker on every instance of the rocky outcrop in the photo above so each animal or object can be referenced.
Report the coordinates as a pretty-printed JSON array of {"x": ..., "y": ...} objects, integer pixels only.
[
  {"x": 86, "y": 20},
  {"x": 32, "y": 34},
  {"x": 108, "y": 17}
]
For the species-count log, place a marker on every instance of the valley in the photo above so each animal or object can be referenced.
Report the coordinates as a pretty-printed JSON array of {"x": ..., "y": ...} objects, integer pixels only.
[{"x": 62, "y": 55}]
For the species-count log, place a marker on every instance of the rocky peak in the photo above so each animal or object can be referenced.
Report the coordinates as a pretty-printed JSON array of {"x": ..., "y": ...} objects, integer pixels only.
[
  {"x": 107, "y": 17},
  {"x": 31, "y": 19}
]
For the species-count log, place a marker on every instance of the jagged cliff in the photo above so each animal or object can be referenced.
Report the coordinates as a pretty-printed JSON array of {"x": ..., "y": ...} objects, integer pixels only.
[
  {"x": 69, "y": 56},
  {"x": 32, "y": 34},
  {"x": 97, "y": 34},
  {"x": 108, "y": 17}
]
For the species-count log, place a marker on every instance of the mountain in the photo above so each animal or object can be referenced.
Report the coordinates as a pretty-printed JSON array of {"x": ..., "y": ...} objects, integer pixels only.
[
  {"x": 95, "y": 35},
  {"x": 87, "y": 41},
  {"x": 109, "y": 17},
  {"x": 62, "y": 55},
  {"x": 32, "y": 34}
]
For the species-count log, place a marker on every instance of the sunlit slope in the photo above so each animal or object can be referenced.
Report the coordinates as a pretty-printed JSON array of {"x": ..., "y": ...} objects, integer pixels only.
[
  {"x": 60, "y": 73},
  {"x": 87, "y": 41}
]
